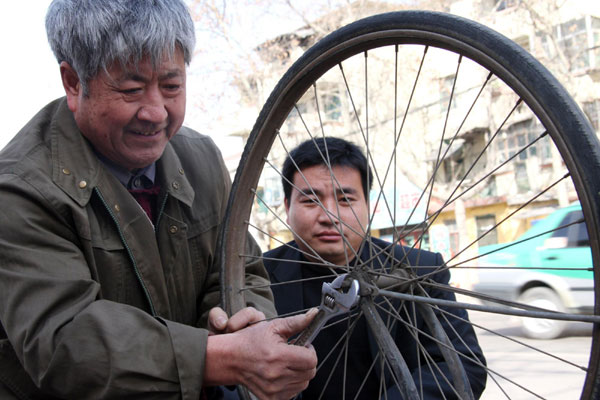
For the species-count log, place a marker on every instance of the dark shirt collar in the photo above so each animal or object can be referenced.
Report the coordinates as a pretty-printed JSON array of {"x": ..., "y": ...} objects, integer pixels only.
[{"x": 136, "y": 179}]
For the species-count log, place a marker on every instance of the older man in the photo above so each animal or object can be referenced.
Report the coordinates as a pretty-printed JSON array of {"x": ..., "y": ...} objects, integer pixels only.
[
  {"x": 110, "y": 214},
  {"x": 326, "y": 184}
]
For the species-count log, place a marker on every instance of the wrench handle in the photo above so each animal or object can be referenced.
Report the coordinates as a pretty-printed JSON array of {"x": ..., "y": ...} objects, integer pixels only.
[{"x": 312, "y": 330}]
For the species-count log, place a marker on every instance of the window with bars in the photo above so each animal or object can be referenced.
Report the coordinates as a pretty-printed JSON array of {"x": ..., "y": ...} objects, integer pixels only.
[
  {"x": 519, "y": 140},
  {"x": 485, "y": 226},
  {"x": 579, "y": 40}
]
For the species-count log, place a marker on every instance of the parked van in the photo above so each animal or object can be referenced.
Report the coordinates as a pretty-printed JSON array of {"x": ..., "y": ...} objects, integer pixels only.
[{"x": 552, "y": 264}]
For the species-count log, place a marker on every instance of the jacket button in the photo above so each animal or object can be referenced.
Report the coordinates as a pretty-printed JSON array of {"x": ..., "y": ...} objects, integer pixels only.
[
  {"x": 173, "y": 229},
  {"x": 181, "y": 171},
  {"x": 83, "y": 184},
  {"x": 117, "y": 208},
  {"x": 66, "y": 171},
  {"x": 175, "y": 185}
]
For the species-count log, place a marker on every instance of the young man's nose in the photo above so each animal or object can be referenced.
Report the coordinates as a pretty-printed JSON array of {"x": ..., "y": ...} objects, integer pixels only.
[{"x": 328, "y": 213}]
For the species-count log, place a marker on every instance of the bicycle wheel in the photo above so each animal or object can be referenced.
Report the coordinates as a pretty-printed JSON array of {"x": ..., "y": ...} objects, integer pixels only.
[{"x": 460, "y": 126}]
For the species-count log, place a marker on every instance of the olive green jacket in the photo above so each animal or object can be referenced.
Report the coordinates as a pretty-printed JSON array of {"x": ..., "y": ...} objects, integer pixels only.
[{"x": 95, "y": 301}]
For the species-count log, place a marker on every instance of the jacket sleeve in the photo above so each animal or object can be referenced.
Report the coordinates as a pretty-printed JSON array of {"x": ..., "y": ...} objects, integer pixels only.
[
  {"x": 260, "y": 296},
  {"x": 71, "y": 343}
]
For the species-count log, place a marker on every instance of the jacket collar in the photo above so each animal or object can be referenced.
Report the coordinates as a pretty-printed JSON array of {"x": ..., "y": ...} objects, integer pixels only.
[
  {"x": 77, "y": 170},
  {"x": 171, "y": 174}
]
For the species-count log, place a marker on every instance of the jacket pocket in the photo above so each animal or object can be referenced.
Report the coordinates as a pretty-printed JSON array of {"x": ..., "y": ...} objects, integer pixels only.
[{"x": 113, "y": 270}]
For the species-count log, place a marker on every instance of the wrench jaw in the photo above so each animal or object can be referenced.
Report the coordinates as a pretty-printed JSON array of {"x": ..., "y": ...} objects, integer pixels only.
[
  {"x": 343, "y": 302},
  {"x": 334, "y": 302}
]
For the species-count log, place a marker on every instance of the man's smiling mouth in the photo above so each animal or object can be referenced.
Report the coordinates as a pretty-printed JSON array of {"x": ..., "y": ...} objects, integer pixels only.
[{"x": 145, "y": 133}]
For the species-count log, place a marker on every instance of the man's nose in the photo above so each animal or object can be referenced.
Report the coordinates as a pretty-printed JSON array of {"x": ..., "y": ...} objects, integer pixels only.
[
  {"x": 329, "y": 212},
  {"x": 153, "y": 108}
]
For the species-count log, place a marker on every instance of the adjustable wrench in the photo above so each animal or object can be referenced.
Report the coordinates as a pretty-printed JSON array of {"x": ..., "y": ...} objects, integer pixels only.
[{"x": 333, "y": 302}]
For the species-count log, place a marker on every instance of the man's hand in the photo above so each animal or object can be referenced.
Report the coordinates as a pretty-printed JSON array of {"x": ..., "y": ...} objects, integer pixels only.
[
  {"x": 218, "y": 322},
  {"x": 259, "y": 357}
]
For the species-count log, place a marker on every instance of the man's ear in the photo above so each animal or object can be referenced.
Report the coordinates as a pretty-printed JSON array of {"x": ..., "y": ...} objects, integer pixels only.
[
  {"x": 70, "y": 81},
  {"x": 286, "y": 203}
]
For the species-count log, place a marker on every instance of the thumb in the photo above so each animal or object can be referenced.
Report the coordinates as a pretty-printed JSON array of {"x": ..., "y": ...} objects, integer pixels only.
[
  {"x": 217, "y": 319},
  {"x": 287, "y": 327}
]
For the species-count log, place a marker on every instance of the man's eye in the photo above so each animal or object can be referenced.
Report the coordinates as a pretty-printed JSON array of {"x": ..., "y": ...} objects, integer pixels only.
[
  {"x": 131, "y": 90},
  {"x": 308, "y": 200},
  {"x": 171, "y": 88}
]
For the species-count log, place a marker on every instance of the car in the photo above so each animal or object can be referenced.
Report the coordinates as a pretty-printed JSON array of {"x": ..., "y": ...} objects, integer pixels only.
[{"x": 550, "y": 267}]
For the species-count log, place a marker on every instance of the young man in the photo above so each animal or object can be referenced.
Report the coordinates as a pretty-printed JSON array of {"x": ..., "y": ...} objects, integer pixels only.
[
  {"x": 327, "y": 213},
  {"x": 110, "y": 217}
]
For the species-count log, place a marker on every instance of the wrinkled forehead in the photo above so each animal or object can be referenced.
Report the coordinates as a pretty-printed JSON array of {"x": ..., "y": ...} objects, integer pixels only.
[{"x": 168, "y": 67}]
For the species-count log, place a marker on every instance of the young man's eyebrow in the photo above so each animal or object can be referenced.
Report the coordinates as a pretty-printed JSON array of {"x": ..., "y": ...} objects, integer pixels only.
[
  {"x": 346, "y": 190},
  {"x": 308, "y": 191}
]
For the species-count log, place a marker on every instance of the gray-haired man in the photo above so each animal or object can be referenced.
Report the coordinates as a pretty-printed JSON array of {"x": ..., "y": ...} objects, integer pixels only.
[{"x": 109, "y": 223}]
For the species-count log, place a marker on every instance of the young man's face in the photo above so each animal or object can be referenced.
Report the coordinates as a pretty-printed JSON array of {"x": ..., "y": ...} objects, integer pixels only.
[
  {"x": 336, "y": 236},
  {"x": 131, "y": 113}
]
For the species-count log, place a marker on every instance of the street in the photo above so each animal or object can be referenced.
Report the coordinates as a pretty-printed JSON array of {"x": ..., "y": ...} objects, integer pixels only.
[{"x": 513, "y": 364}]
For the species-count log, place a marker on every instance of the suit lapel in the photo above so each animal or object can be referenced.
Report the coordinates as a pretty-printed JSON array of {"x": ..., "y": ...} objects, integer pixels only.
[{"x": 289, "y": 296}]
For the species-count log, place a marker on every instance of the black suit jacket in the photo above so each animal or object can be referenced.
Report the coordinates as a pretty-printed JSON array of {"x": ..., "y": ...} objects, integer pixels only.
[{"x": 283, "y": 265}]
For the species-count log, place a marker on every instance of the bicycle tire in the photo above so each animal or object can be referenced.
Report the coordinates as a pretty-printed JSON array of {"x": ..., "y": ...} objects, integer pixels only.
[{"x": 568, "y": 128}]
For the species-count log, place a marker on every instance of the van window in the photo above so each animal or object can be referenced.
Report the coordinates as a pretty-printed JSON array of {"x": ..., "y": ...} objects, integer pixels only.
[{"x": 576, "y": 233}]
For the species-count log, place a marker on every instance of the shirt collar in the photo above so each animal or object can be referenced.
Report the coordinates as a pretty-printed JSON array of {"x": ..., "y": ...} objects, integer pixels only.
[{"x": 136, "y": 179}]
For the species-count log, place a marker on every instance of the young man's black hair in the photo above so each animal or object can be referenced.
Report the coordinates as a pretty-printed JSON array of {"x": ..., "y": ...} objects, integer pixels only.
[{"x": 329, "y": 151}]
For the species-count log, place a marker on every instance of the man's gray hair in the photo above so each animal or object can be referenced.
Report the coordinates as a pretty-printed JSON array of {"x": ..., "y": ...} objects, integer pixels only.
[{"x": 92, "y": 34}]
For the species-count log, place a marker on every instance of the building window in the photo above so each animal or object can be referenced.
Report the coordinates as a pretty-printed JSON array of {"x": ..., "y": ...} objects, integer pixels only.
[
  {"x": 505, "y": 4},
  {"x": 446, "y": 86},
  {"x": 485, "y": 223},
  {"x": 454, "y": 236},
  {"x": 579, "y": 40},
  {"x": 517, "y": 137},
  {"x": 328, "y": 104},
  {"x": 521, "y": 177},
  {"x": 332, "y": 105},
  {"x": 490, "y": 189}
]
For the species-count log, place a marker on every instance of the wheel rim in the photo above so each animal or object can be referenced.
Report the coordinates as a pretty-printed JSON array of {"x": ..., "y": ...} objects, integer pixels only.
[{"x": 270, "y": 129}]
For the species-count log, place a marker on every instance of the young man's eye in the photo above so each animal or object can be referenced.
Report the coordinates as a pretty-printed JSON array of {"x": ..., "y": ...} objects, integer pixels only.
[{"x": 308, "y": 200}]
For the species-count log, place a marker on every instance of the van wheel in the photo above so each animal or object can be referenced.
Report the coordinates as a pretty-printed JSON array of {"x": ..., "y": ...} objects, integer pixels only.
[{"x": 537, "y": 328}]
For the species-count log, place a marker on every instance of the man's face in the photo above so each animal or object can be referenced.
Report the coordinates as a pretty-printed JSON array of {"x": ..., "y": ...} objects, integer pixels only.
[
  {"x": 337, "y": 236},
  {"x": 131, "y": 113}
]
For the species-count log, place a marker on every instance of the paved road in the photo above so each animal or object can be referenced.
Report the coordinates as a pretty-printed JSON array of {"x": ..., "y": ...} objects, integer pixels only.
[{"x": 535, "y": 371}]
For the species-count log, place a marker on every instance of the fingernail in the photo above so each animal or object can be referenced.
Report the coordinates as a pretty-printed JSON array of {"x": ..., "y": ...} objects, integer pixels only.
[{"x": 221, "y": 322}]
